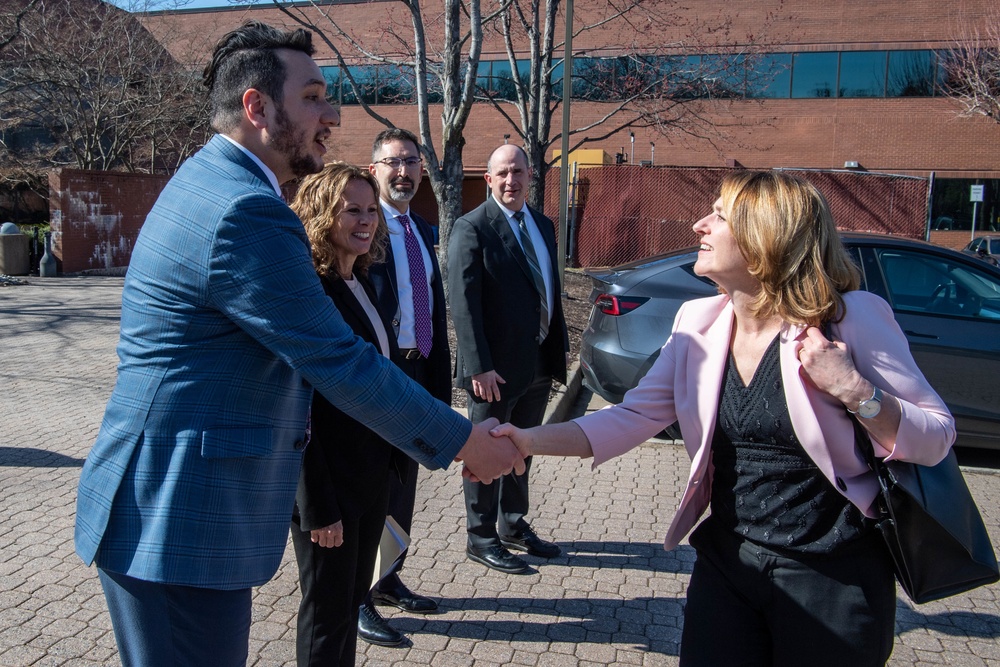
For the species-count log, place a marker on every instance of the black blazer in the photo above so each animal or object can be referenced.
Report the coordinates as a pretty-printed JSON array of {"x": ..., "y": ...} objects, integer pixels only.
[
  {"x": 383, "y": 277},
  {"x": 494, "y": 304},
  {"x": 346, "y": 466}
]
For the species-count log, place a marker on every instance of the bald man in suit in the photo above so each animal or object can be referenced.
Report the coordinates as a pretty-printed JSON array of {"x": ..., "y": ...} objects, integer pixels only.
[{"x": 512, "y": 342}]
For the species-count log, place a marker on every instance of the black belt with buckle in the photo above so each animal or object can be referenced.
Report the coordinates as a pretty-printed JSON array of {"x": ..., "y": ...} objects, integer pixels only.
[{"x": 411, "y": 353}]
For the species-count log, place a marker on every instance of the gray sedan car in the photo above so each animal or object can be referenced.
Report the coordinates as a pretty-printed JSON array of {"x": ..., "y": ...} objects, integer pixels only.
[{"x": 947, "y": 303}]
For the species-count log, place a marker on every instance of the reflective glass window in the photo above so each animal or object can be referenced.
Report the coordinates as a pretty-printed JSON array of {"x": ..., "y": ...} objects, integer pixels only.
[
  {"x": 593, "y": 78},
  {"x": 771, "y": 76},
  {"x": 862, "y": 74},
  {"x": 911, "y": 74},
  {"x": 484, "y": 75},
  {"x": 366, "y": 79},
  {"x": 682, "y": 76},
  {"x": 332, "y": 76},
  {"x": 724, "y": 76},
  {"x": 395, "y": 85},
  {"x": 814, "y": 74}
]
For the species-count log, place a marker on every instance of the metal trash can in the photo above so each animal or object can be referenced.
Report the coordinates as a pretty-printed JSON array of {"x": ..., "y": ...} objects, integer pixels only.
[{"x": 14, "y": 256}]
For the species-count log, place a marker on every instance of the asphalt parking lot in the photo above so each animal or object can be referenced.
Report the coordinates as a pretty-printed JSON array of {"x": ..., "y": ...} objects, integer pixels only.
[{"x": 613, "y": 597}]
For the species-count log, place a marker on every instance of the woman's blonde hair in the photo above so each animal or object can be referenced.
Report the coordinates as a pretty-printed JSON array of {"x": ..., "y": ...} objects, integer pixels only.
[
  {"x": 783, "y": 227},
  {"x": 318, "y": 202}
]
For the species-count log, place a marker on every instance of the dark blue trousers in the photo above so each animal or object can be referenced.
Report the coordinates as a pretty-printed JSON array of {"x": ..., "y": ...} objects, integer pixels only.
[{"x": 177, "y": 626}]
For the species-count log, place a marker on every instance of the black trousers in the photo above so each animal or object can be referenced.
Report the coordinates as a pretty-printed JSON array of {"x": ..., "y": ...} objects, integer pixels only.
[
  {"x": 751, "y": 606},
  {"x": 502, "y": 505},
  {"x": 334, "y": 583},
  {"x": 403, "y": 492}
]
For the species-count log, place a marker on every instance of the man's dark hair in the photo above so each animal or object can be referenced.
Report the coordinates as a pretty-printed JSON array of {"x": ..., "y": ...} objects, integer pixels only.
[
  {"x": 393, "y": 134},
  {"x": 247, "y": 58}
]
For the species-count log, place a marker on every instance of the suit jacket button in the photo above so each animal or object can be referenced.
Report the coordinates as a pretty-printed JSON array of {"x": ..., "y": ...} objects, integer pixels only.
[
  {"x": 395, "y": 322},
  {"x": 300, "y": 444},
  {"x": 841, "y": 484}
]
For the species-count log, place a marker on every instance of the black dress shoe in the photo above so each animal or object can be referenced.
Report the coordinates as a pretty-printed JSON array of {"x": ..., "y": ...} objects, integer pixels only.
[
  {"x": 401, "y": 597},
  {"x": 534, "y": 545},
  {"x": 375, "y": 630},
  {"x": 497, "y": 558}
]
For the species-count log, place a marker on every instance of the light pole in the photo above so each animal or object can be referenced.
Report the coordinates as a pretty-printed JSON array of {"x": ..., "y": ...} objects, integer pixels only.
[
  {"x": 563, "y": 249},
  {"x": 652, "y": 153},
  {"x": 631, "y": 136}
]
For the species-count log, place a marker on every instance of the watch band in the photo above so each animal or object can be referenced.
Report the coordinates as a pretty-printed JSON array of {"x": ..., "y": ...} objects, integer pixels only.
[{"x": 870, "y": 407}]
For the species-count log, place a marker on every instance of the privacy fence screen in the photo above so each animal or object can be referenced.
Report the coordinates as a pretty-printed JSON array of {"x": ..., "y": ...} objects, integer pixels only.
[{"x": 621, "y": 213}]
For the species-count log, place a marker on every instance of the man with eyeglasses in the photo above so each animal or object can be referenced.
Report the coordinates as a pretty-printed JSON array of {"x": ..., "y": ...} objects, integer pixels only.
[{"x": 409, "y": 289}]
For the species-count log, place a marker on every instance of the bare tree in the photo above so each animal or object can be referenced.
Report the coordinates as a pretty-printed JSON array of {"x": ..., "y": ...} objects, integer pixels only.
[
  {"x": 445, "y": 74},
  {"x": 644, "y": 84},
  {"x": 10, "y": 23},
  {"x": 972, "y": 67},
  {"x": 82, "y": 83}
]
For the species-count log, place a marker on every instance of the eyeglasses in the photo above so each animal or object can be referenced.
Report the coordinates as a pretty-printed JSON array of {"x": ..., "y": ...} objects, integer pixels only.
[{"x": 396, "y": 163}]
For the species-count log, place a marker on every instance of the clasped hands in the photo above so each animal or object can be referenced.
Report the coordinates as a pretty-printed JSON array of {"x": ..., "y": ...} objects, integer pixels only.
[{"x": 488, "y": 457}]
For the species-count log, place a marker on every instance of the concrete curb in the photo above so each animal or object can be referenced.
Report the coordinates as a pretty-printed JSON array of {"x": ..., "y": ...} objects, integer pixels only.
[{"x": 560, "y": 404}]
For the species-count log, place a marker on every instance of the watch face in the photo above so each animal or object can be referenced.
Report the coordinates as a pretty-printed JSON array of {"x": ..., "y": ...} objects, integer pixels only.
[{"x": 870, "y": 408}]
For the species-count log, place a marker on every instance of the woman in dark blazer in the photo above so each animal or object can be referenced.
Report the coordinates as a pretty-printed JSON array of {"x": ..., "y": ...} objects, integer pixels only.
[{"x": 344, "y": 484}]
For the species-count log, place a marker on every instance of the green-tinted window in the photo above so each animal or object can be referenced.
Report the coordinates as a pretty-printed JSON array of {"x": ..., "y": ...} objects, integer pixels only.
[
  {"x": 771, "y": 77},
  {"x": 366, "y": 79},
  {"x": 332, "y": 76},
  {"x": 395, "y": 85},
  {"x": 862, "y": 74},
  {"x": 911, "y": 74},
  {"x": 814, "y": 74}
]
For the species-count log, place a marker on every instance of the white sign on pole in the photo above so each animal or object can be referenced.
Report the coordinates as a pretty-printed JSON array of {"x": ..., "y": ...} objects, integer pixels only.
[{"x": 976, "y": 192}]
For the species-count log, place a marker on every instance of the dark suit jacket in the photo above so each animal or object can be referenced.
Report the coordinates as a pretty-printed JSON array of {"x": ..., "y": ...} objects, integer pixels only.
[
  {"x": 383, "y": 278},
  {"x": 346, "y": 466},
  {"x": 494, "y": 303}
]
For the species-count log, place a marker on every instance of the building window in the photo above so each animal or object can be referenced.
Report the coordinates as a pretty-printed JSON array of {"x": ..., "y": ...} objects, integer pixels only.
[
  {"x": 916, "y": 73},
  {"x": 862, "y": 74},
  {"x": 814, "y": 74},
  {"x": 772, "y": 78},
  {"x": 911, "y": 74}
]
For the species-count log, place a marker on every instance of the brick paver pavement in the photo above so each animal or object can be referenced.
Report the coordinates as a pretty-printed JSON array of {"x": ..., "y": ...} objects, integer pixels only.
[{"x": 613, "y": 597}]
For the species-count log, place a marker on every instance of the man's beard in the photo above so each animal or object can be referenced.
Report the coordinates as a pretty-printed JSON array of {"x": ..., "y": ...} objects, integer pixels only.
[
  {"x": 402, "y": 195},
  {"x": 292, "y": 146}
]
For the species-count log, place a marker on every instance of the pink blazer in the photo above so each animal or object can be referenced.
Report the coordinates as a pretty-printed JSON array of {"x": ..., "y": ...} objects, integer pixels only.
[{"x": 684, "y": 382}]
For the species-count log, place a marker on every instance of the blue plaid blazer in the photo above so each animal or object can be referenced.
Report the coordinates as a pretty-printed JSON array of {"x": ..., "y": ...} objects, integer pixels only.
[{"x": 225, "y": 332}]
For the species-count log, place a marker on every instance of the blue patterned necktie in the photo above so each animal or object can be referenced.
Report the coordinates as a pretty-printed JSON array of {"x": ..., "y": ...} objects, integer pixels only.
[
  {"x": 536, "y": 273},
  {"x": 418, "y": 281}
]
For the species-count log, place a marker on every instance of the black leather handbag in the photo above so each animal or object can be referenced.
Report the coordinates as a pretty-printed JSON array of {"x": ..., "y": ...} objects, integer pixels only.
[{"x": 931, "y": 525}]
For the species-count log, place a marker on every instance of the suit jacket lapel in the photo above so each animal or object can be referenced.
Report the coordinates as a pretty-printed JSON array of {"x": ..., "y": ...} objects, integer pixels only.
[
  {"x": 498, "y": 221},
  {"x": 338, "y": 289},
  {"x": 809, "y": 409},
  {"x": 706, "y": 366}
]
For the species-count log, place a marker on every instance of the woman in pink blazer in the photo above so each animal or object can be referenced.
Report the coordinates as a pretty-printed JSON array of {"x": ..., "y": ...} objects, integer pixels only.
[{"x": 788, "y": 563}]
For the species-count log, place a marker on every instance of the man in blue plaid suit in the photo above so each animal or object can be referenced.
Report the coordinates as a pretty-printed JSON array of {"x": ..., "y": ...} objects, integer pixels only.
[{"x": 185, "y": 498}]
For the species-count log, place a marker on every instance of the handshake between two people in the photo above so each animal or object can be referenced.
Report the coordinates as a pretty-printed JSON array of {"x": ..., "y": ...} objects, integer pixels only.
[
  {"x": 487, "y": 455},
  {"x": 494, "y": 449}
]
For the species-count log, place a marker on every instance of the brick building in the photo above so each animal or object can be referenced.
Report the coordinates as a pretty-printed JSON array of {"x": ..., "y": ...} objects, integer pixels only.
[
  {"x": 846, "y": 84},
  {"x": 836, "y": 97}
]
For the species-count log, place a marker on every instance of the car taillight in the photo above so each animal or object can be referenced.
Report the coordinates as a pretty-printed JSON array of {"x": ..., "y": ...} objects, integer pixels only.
[{"x": 609, "y": 304}]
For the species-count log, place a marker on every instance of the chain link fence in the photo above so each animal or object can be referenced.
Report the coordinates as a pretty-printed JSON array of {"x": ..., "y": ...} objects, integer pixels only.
[{"x": 621, "y": 213}]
